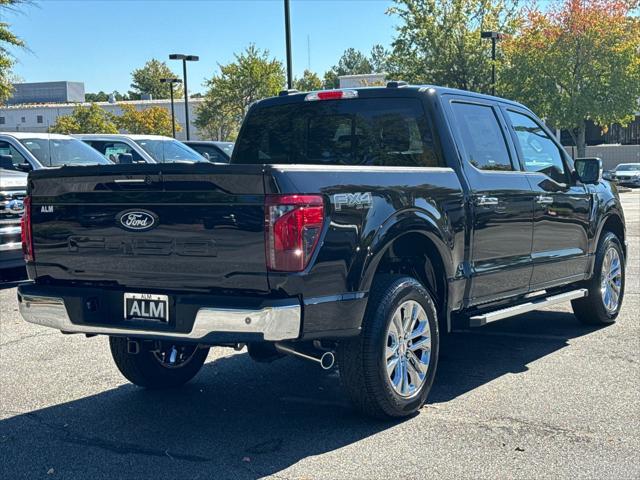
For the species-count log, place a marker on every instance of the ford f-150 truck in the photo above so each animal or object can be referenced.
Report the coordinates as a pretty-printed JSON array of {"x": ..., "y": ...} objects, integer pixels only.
[{"x": 363, "y": 223}]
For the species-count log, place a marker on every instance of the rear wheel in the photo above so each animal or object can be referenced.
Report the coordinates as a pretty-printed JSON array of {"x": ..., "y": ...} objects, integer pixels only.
[
  {"x": 388, "y": 370},
  {"x": 158, "y": 364},
  {"x": 606, "y": 286}
]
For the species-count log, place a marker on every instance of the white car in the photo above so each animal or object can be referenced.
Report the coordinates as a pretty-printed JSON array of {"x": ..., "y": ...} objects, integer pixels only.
[
  {"x": 141, "y": 148},
  {"x": 627, "y": 174},
  {"x": 26, "y": 151}
]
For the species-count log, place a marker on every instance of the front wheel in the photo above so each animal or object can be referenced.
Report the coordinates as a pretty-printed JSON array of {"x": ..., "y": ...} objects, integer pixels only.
[
  {"x": 388, "y": 370},
  {"x": 606, "y": 286},
  {"x": 158, "y": 364}
]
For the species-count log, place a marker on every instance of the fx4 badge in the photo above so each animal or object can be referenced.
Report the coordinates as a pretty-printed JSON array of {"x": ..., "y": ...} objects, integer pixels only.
[{"x": 357, "y": 200}]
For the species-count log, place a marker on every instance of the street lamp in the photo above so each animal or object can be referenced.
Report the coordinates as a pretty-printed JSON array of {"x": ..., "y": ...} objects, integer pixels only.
[
  {"x": 171, "y": 81},
  {"x": 287, "y": 32},
  {"x": 494, "y": 36},
  {"x": 185, "y": 59}
]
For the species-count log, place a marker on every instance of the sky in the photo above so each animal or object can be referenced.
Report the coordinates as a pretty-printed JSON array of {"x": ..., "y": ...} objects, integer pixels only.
[{"x": 101, "y": 42}]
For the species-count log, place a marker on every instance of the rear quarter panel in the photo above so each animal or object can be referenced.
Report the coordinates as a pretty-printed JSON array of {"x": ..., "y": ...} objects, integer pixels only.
[{"x": 402, "y": 200}]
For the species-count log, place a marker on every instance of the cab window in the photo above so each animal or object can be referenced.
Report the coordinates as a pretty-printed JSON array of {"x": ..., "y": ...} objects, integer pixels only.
[
  {"x": 539, "y": 152},
  {"x": 376, "y": 131},
  {"x": 113, "y": 150},
  {"x": 9, "y": 152},
  {"x": 482, "y": 136}
]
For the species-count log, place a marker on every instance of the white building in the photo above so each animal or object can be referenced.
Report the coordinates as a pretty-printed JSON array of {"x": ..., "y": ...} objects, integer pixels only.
[
  {"x": 39, "y": 117},
  {"x": 364, "y": 80}
]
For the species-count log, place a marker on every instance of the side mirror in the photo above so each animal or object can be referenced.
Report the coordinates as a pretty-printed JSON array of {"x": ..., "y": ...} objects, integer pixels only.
[
  {"x": 24, "y": 167},
  {"x": 206, "y": 156},
  {"x": 125, "y": 158},
  {"x": 588, "y": 170}
]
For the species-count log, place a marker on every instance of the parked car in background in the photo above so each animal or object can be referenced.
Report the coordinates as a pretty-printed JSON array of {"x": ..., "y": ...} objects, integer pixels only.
[
  {"x": 13, "y": 187},
  {"x": 627, "y": 174},
  {"x": 216, "y": 152},
  {"x": 126, "y": 148},
  {"x": 33, "y": 151}
]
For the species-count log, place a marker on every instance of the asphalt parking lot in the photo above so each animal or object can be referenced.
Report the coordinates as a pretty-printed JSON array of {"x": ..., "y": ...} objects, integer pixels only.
[{"x": 534, "y": 396}]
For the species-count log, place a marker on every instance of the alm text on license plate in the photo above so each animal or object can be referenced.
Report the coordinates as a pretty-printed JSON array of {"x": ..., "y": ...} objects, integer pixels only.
[{"x": 146, "y": 306}]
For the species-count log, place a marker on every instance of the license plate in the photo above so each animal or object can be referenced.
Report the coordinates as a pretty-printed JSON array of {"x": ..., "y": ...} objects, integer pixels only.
[{"x": 146, "y": 306}]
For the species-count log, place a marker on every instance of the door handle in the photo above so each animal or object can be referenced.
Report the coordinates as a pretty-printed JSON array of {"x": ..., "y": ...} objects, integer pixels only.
[
  {"x": 544, "y": 200},
  {"x": 484, "y": 201}
]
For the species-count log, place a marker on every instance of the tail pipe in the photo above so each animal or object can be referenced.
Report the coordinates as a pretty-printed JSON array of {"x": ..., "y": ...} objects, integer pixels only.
[{"x": 327, "y": 360}]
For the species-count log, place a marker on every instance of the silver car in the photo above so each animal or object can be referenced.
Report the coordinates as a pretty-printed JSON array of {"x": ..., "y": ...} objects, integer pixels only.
[{"x": 627, "y": 174}]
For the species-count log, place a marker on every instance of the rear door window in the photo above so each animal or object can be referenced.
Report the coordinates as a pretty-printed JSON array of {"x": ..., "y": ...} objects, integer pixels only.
[
  {"x": 383, "y": 132},
  {"x": 482, "y": 136}
]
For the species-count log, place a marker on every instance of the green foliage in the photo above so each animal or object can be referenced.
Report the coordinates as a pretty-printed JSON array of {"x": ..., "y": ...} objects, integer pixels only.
[
  {"x": 576, "y": 61},
  {"x": 438, "y": 41},
  {"x": 146, "y": 80},
  {"x": 252, "y": 76},
  {"x": 149, "y": 121},
  {"x": 7, "y": 40},
  {"x": 352, "y": 62},
  {"x": 379, "y": 59},
  {"x": 104, "y": 97},
  {"x": 310, "y": 81},
  {"x": 91, "y": 119}
]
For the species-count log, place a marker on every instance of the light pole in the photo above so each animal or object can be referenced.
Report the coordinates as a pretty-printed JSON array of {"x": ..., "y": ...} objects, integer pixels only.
[
  {"x": 494, "y": 36},
  {"x": 287, "y": 30},
  {"x": 185, "y": 59},
  {"x": 171, "y": 81}
]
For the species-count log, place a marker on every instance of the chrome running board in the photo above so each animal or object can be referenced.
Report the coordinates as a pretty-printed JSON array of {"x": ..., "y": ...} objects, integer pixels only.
[{"x": 483, "y": 319}]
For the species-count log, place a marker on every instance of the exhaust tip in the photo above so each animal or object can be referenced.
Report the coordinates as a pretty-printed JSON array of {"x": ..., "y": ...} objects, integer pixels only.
[{"x": 327, "y": 360}]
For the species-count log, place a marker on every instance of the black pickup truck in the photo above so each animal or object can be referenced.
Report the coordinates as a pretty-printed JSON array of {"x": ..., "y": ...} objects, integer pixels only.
[{"x": 363, "y": 223}]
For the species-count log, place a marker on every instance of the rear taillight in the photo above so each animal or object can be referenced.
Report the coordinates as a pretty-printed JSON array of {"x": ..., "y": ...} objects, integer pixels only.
[
  {"x": 293, "y": 224},
  {"x": 25, "y": 223}
]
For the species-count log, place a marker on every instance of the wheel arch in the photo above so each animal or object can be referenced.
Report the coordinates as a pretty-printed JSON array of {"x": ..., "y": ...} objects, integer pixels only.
[
  {"x": 413, "y": 244},
  {"x": 613, "y": 223}
]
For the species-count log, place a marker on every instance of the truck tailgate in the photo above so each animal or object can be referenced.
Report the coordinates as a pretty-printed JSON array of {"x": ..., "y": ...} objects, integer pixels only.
[{"x": 172, "y": 226}]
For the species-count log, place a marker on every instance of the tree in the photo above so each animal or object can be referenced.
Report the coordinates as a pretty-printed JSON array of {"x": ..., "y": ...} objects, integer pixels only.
[
  {"x": 252, "y": 76},
  {"x": 310, "y": 81},
  {"x": 91, "y": 119},
  {"x": 146, "y": 80},
  {"x": 352, "y": 62},
  {"x": 7, "y": 39},
  {"x": 379, "y": 59},
  {"x": 149, "y": 121},
  {"x": 104, "y": 97},
  {"x": 579, "y": 60},
  {"x": 438, "y": 41}
]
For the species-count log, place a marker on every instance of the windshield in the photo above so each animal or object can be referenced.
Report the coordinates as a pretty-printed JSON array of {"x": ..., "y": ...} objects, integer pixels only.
[
  {"x": 170, "y": 151},
  {"x": 67, "y": 151},
  {"x": 629, "y": 167}
]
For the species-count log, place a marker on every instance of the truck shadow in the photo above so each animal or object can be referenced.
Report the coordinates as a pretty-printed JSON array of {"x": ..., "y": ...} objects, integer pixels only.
[{"x": 239, "y": 419}]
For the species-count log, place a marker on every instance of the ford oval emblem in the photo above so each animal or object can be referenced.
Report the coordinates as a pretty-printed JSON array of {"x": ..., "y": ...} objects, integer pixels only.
[
  {"x": 15, "y": 207},
  {"x": 137, "y": 220}
]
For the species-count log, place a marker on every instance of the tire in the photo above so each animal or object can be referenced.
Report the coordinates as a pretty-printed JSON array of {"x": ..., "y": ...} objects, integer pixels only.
[
  {"x": 146, "y": 369},
  {"x": 362, "y": 360},
  {"x": 592, "y": 309}
]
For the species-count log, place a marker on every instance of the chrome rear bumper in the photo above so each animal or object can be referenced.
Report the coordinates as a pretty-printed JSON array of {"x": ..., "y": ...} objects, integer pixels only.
[{"x": 274, "y": 323}]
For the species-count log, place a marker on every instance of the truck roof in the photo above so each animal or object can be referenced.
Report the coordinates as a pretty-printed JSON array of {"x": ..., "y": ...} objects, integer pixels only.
[
  {"x": 39, "y": 135},
  {"x": 115, "y": 136},
  {"x": 392, "y": 89}
]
